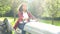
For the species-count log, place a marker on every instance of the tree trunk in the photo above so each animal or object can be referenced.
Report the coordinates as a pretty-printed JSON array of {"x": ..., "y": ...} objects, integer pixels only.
[
  {"x": 52, "y": 21},
  {"x": 14, "y": 16}
]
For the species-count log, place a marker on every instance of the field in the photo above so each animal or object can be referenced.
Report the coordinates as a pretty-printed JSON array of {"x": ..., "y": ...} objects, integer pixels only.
[
  {"x": 57, "y": 23},
  {"x": 12, "y": 22}
]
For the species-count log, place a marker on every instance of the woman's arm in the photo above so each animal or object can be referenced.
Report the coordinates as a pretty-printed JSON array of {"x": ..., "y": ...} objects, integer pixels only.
[
  {"x": 31, "y": 16},
  {"x": 16, "y": 24}
]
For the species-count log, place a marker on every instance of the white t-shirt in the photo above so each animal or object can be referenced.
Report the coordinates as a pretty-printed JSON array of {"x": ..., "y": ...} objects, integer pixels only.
[{"x": 25, "y": 16}]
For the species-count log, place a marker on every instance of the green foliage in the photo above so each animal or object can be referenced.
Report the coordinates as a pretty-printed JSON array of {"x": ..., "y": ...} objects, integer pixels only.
[
  {"x": 4, "y": 6},
  {"x": 45, "y": 8},
  {"x": 52, "y": 8}
]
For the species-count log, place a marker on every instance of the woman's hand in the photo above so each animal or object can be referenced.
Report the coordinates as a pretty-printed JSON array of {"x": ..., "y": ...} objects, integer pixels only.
[
  {"x": 18, "y": 30},
  {"x": 33, "y": 20}
]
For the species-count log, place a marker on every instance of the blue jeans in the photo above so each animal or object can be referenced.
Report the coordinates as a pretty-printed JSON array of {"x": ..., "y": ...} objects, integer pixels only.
[{"x": 21, "y": 26}]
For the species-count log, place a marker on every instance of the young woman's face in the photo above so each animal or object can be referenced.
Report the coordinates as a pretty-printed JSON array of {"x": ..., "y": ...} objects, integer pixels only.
[{"x": 24, "y": 7}]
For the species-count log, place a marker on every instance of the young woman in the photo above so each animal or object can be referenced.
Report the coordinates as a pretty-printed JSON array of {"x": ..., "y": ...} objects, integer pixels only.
[{"x": 24, "y": 17}]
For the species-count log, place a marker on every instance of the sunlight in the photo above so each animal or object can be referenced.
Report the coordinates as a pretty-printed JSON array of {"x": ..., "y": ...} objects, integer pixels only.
[{"x": 29, "y": 1}]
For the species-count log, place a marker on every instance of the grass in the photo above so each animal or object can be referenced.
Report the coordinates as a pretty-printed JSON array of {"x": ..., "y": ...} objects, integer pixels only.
[
  {"x": 57, "y": 23},
  {"x": 11, "y": 20}
]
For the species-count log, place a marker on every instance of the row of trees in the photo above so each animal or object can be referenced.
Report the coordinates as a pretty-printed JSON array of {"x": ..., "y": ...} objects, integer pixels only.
[
  {"x": 4, "y": 6},
  {"x": 45, "y": 8},
  {"x": 9, "y": 7},
  {"x": 39, "y": 8}
]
